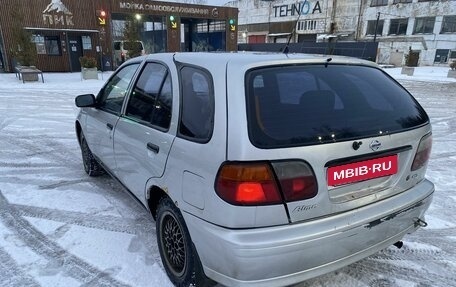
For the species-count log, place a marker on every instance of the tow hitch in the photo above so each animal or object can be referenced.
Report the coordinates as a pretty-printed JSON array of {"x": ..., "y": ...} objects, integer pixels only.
[{"x": 418, "y": 223}]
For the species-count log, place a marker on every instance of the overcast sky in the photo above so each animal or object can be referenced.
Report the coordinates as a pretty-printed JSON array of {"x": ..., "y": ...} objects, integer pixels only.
[
  {"x": 207, "y": 2},
  {"x": 217, "y": 2}
]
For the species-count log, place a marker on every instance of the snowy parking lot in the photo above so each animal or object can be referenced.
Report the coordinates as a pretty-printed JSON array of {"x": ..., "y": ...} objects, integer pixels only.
[{"x": 59, "y": 227}]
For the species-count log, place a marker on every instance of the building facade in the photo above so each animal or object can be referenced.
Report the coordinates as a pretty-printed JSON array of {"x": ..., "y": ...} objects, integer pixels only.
[
  {"x": 65, "y": 30},
  {"x": 425, "y": 28}
]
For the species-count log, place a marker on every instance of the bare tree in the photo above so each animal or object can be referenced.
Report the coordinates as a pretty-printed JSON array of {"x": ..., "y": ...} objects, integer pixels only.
[
  {"x": 24, "y": 50},
  {"x": 131, "y": 36}
]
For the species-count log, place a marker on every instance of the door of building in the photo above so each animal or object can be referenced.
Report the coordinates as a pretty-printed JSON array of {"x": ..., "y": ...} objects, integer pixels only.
[
  {"x": 75, "y": 48},
  {"x": 414, "y": 57},
  {"x": 255, "y": 39},
  {"x": 186, "y": 35}
]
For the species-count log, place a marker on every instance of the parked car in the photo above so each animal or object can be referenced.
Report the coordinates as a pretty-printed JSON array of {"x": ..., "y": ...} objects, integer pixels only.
[
  {"x": 122, "y": 48},
  {"x": 261, "y": 169}
]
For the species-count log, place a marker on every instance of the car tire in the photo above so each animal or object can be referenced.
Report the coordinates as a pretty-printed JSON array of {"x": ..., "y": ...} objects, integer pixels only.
[
  {"x": 177, "y": 251},
  {"x": 91, "y": 166}
]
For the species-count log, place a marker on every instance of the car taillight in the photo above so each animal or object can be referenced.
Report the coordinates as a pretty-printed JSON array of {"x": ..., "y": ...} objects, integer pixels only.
[
  {"x": 423, "y": 152},
  {"x": 258, "y": 183},
  {"x": 247, "y": 184},
  {"x": 297, "y": 180}
]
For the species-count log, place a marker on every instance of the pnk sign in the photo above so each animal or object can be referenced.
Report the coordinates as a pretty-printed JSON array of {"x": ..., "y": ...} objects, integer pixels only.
[
  {"x": 57, "y": 14},
  {"x": 362, "y": 170}
]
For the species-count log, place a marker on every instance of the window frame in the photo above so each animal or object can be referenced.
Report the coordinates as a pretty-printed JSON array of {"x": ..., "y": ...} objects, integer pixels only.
[
  {"x": 402, "y": 1},
  {"x": 166, "y": 75},
  {"x": 272, "y": 137},
  {"x": 86, "y": 42},
  {"x": 425, "y": 20},
  {"x": 376, "y": 3},
  {"x": 452, "y": 20},
  {"x": 399, "y": 24},
  {"x": 379, "y": 32},
  {"x": 48, "y": 40},
  {"x": 211, "y": 95},
  {"x": 102, "y": 97}
]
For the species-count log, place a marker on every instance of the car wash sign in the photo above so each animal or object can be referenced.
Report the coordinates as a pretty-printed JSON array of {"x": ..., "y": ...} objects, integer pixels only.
[
  {"x": 301, "y": 8},
  {"x": 57, "y": 14},
  {"x": 165, "y": 8}
]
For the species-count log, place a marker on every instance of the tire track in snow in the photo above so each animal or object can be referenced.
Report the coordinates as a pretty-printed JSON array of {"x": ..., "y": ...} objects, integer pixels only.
[
  {"x": 102, "y": 222},
  {"x": 39, "y": 243},
  {"x": 13, "y": 273},
  {"x": 49, "y": 149},
  {"x": 383, "y": 268},
  {"x": 406, "y": 253},
  {"x": 4, "y": 122},
  {"x": 440, "y": 242},
  {"x": 27, "y": 165},
  {"x": 61, "y": 183}
]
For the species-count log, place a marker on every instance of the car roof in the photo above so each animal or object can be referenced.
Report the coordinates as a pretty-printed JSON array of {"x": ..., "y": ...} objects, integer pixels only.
[
  {"x": 216, "y": 60},
  {"x": 249, "y": 58}
]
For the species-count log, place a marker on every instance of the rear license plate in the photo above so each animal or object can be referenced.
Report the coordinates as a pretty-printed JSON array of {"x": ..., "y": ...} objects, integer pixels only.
[{"x": 362, "y": 170}]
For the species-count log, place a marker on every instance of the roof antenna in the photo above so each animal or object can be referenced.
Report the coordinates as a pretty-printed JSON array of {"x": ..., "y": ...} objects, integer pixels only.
[
  {"x": 286, "y": 49},
  {"x": 327, "y": 62}
]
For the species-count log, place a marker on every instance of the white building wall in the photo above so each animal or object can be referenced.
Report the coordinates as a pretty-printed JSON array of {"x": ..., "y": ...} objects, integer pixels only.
[
  {"x": 257, "y": 11},
  {"x": 347, "y": 19},
  {"x": 427, "y": 44}
]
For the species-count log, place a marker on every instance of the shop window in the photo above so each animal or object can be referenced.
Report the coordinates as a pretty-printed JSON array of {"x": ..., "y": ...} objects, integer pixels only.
[
  {"x": 216, "y": 26},
  {"x": 379, "y": 3},
  {"x": 398, "y": 27},
  {"x": 86, "y": 43},
  {"x": 211, "y": 26},
  {"x": 424, "y": 25},
  {"x": 371, "y": 24},
  {"x": 39, "y": 42},
  {"x": 52, "y": 44},
  {"x": 449, "y": 24}
]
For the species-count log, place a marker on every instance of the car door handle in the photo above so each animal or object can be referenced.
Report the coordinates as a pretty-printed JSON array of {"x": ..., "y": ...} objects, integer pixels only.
[
  {"x": 153, "y": 147},
  {"x": 109, "y": 126}
]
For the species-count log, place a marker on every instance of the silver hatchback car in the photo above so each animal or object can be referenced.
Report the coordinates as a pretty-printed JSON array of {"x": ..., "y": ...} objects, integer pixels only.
[{"x": 261, "y": 169}]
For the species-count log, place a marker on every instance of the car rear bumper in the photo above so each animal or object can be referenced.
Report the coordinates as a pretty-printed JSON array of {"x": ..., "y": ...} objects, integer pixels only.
[{"x": 284, "y": 255}]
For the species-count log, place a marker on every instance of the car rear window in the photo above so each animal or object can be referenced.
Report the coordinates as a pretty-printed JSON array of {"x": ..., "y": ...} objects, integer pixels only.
[{"x": 314, "y": 104}]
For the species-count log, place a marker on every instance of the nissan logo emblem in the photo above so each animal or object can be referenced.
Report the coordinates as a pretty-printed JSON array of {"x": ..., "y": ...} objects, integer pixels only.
[{"x": 375, "y": 145}]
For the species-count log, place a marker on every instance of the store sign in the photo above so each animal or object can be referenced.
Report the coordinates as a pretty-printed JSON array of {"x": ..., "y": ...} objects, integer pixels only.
[
  {"x": 57, "y": 14},
  {"x": 300, "y": 8},
  {"x": 164, "y": 8}
]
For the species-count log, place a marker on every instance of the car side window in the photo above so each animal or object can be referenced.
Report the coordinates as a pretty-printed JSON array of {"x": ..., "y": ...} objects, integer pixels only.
[
  {"x": 197, "y": 104},
  {"x": 113, "y": 94},
  {"x": 151, "y": 99}
]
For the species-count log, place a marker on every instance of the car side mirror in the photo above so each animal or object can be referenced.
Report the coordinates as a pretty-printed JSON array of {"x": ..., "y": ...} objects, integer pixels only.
[{"x": 87, "y": 100}]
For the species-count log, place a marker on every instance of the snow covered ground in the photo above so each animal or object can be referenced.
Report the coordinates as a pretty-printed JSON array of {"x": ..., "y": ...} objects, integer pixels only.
[{"x": 58, "y": 227}]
